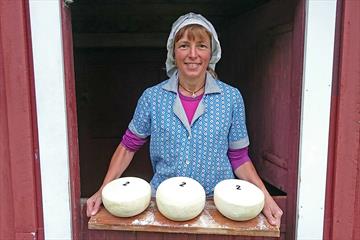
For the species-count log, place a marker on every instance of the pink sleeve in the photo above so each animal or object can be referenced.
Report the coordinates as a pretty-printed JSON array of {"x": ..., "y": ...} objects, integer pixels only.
[
  {"x": 132, "y": 142},
  {"x": 238, "y": 157}
]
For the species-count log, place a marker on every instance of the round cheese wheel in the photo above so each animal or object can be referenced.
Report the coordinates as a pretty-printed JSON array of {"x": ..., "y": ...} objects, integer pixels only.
[
  {"x": 180, "y": 198},
  {"x": 126, "y": 196},
  {"x": 238, "y": 200}
]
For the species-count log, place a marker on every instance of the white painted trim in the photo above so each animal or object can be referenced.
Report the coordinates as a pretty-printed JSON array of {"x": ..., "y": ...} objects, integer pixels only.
[
  {"x": 51, "y": 115},
  {"x": 316, "y": 95}
]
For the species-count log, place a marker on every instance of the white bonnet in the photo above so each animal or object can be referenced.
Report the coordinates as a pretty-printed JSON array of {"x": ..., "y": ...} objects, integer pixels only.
[{"x": 187, "y": 19}]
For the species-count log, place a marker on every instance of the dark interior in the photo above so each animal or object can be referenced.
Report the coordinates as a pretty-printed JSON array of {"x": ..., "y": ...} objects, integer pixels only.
[{"x": 119, "y": 51}]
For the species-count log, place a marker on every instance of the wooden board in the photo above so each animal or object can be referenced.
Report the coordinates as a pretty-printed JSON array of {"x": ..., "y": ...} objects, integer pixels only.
[{"x": 210, "y": 221}]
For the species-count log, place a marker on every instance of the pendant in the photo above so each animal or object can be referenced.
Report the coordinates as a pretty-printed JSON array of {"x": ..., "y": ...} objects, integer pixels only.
[{"x": 193, "y": 95}]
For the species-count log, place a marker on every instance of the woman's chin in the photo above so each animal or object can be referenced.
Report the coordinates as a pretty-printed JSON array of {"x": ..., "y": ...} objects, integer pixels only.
[{"x": 193, "y": 74}]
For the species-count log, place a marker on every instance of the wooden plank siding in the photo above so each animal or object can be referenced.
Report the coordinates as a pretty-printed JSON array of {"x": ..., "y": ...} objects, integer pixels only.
[
  {"x": 342, "y": 212},
  {"x": 21, "y": 211}
]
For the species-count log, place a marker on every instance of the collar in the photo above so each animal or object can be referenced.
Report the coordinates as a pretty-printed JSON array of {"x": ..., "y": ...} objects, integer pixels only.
[{"x": 211, "y": 85}]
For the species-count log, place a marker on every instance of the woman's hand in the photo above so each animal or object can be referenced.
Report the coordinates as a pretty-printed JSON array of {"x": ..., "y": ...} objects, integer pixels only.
[
  {"x": 119, "y": 162},
  {"x": 272, "y": 211},
  {"x": 93, "y": 204}
]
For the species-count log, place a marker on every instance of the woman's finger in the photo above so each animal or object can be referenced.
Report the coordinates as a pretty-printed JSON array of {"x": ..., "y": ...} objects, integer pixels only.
[
  {"x": 96, "y": 206},
  {"x": 277, "y": 216},
  {"x": 270, "y": 218},
  {"x": 89, "y": 206}
]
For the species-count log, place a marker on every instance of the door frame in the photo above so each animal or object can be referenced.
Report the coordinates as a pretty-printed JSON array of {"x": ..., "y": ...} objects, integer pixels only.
[
  {"x": 54, "y": 123},
  {"x": 71, "y": 113},
  {"x": 315, "y": 117}
]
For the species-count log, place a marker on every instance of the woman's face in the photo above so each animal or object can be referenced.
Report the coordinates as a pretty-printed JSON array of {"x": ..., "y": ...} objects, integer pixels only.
[{"x": 192, "y": 57}]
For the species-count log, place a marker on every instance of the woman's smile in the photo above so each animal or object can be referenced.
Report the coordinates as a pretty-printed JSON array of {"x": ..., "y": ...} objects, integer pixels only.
[{"x": 193, "y": 65}]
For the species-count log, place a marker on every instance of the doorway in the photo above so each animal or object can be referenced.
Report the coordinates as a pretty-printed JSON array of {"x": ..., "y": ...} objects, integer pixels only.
[{"x": 119, "y": 51}]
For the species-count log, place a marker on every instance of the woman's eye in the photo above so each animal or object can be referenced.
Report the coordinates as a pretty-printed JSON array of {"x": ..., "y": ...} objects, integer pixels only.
[
  {"x": 203, "y": 46},
  {"x": 182, "y": 46}
]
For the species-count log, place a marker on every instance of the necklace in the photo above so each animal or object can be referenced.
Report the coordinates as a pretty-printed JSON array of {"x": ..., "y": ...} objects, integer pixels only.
[{"x": 193, "y": 93}]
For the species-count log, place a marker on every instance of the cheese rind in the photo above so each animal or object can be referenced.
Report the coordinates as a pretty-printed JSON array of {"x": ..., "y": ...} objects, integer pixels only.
[
  {"x": 180, "y": 198},
  {"x": 127, "y": 196},
  {"x": 238, "y": 200}
]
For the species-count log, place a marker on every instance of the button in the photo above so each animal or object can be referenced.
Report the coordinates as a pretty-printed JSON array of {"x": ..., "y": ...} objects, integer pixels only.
[
  {"x": 189, "y": 137},
  {"x": 187, "y": 162}
]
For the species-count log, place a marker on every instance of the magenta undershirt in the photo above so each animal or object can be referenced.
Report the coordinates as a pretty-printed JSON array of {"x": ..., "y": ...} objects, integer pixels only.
[
  {"x": 133, "y": 143},
  {"x": 190, "y": 105}
]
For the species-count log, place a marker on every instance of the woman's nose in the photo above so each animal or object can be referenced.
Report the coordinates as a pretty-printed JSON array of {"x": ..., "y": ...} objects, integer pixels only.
[{"x": 193, "y": 51}]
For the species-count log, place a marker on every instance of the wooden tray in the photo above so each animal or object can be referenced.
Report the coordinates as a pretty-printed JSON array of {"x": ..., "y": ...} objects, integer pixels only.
[{"x": 210, "y": 221}]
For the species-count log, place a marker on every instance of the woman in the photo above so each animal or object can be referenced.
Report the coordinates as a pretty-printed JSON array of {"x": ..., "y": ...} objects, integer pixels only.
[{"x": 196, "y": 122}]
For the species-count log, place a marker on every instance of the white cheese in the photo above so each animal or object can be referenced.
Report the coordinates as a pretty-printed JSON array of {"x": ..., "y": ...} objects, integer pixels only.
[
  {"x": 238, "y": 200},
  {"x": 127, "y": 196},
  {"x": 180, "y": 198}
]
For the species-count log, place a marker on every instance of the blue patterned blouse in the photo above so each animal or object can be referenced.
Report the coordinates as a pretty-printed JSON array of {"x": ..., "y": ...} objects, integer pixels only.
[{"x": 197, "y": 150}]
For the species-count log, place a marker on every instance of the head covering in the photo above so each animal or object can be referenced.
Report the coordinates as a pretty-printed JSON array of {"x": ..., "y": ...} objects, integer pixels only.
[{"x": 187, "y": 19}]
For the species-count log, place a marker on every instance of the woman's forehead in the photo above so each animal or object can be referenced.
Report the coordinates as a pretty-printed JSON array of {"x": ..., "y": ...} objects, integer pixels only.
[{"x": 194, "y": 35}]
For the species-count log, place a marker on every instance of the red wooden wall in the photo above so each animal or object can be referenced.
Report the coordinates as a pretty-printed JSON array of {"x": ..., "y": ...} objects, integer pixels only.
[
  {"x": 20, "y": 190},
  {"x": 342, "y": 211}
]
